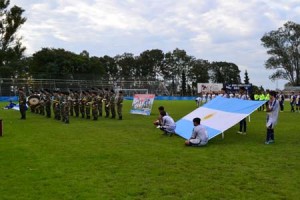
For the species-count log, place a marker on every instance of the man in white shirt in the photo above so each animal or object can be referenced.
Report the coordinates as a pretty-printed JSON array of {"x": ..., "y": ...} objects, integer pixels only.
[
  {"x": 223, "y": 93},
  {"x": 243, "y": 123},
  {"x": 198, "y": 101},
  {"x": 158, "y": 122},
  {"x": 199, "y": 136},
  {"x": 168, "y": 124},
  {"x": 272, "y": 117}
]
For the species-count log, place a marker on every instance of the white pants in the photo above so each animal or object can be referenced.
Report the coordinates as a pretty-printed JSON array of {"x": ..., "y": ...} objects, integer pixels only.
[
  {"x": 198, "y": 142},
  {"x": 169, "y": 129}
]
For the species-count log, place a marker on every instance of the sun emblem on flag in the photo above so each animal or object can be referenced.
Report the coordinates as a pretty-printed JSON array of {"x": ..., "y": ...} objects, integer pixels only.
[{"x": 209, "y": 116}]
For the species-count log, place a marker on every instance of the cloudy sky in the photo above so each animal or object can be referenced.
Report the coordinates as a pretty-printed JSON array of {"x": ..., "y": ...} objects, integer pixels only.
[{"x": 214, "y": 30}]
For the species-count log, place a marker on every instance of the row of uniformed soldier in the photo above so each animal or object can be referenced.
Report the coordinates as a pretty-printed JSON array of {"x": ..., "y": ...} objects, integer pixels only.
[{"x": 65, "y": 104}]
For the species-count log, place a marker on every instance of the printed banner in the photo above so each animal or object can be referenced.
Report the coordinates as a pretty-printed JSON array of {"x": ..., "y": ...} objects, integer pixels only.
[
  {"x": 142, "y": 104},
  {"x": 217, "y": 116},
  {"x": 209, "y": 87}
]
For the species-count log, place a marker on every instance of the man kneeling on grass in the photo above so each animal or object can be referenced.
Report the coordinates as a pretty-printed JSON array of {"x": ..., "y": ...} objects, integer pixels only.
[
  {"x": 199, "y": 136},
  {"x": 168, "y": 125}
]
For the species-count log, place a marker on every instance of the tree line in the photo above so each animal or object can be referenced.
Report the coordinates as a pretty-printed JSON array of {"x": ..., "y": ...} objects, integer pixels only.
[{"x": 176, "y": 68}]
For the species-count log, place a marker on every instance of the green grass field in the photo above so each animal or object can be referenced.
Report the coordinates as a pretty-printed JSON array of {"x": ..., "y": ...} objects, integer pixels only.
[{"x": 42, "y": 158}]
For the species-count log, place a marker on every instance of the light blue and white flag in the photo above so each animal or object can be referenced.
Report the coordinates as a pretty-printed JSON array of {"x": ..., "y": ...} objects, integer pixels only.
[{"x": 217, "y": 116}]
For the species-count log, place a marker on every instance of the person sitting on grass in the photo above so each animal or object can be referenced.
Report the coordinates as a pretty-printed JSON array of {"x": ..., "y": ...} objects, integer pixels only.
[
  {"x": 158, "y": 122},
  {"x": 168, "y": 125},
  {"x": 199, "y": 135},
  {"x": 10, "y": 105}
]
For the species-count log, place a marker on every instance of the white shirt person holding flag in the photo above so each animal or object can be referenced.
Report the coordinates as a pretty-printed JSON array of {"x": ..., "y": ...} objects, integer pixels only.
[
  {"x": 272, "y": 117},
  {"x": 199, "y": 135},
  {"x": 168, "y": 124}
]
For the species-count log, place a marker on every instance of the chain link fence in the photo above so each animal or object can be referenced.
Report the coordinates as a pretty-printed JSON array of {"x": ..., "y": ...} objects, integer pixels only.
[{"x": 10, "y": 86}]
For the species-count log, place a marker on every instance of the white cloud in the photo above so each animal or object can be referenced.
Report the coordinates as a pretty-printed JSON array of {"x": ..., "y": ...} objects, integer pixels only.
[{"x": 215, "y": 30}]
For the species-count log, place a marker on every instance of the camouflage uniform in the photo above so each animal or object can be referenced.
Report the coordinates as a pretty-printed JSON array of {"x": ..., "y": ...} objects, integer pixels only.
[
  {"x": 61, "y": 105},
  {"x": 71, "y": 103},
  {"x": 42, "y": 103},
  {"x": 82, "y": 104},
  {"x": 106, "y": 103},
  {"x": 76, "y": 103},
  {"x": 119, "y": 102},
  {"x": 48, "y": 104},
  {"x": 88, "y": 105},
  {"x": 56, "y": 106},
  {"x": 65, "y": 108},
  {"x": 99, "y": 103},
  {"x": 112, "y": 104},
  {"x": 22, "y": 103},
  {"x": 94, "y": 106}
]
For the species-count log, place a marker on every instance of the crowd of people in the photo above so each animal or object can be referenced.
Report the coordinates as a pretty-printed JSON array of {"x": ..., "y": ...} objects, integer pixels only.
[
  {"x": 274, "y": 104},
  {"x": 89, "y": 104},
  {"x": 92, "y": 104}
]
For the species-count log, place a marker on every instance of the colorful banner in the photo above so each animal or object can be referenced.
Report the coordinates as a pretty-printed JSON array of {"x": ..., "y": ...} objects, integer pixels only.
[
  {"x": 209, "y": 87},
  {"x": 217, "y": 116},
  {"x": 142, "y": 104}
]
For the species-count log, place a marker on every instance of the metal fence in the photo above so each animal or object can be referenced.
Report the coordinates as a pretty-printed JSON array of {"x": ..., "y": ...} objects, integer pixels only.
[{"x": 10, "y": 86}]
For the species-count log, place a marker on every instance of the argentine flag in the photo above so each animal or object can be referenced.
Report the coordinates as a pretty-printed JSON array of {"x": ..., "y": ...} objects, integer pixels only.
[{"x": 217, "y": 116}]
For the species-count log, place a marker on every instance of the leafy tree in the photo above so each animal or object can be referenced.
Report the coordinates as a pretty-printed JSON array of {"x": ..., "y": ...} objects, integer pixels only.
[
  {"x": 96, "y": 68},
  {"x": 149, "y": 64},
  {"x": 183, "y": 84},
  {"x": 224, "y": 72},
  {"x": 284, "y": 49},
  {"x": 246, "y": 79},
  {"x": 110, "y": 66},
  {"x": 199, "y": 72},
  {"x": 85, "y": 53},
  {"x": 174, "y": 64},
  {"x": 126, "y": 64},
  {"x": 52, "y": 63},
  {"x": 61, "y": 64},
  {"x": 11, "y": 49}
]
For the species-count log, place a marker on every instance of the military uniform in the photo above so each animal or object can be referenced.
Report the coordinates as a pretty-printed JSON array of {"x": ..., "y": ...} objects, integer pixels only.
[
  {"x": 42, "y": 103},
  {"x": 56, "y": 106},
  {"x": 119, "y": 102},
  {"x": 65, "y": 108},
  {"x": 48, "y": 104},
  {"x": 76, "y": 103},
  {"x": 82, "y": 104},
  {"x": 112, "y": 104},
  {"x": 61, "y": 105},
  {"x": 88, "y": 105},
  {"x": 22, "y": 103},
  {"x": 94, "y": 106},
  {"x": 99, "y": 103},
  {"x": 71, "y": 103},
  {"x": 106, "y": 103}
]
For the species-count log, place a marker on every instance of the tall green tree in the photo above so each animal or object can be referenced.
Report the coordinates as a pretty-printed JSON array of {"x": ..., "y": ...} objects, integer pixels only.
[
  {"x": 54, "y": 63},
  {"x": 284, "y": 49},
  {"x": 199, "y": 72},
  {"x": 50, "y": 63},
  {"x": 149, "y": 64},
  {"x": 11, "y": 49},
  {"x": 126, "y": 64},
  {"x": 175, "y": 66},
  {"x": 224, "y": 72},
  {"x": 111, "y": 68},
  {"x": 246, "y": 78}
]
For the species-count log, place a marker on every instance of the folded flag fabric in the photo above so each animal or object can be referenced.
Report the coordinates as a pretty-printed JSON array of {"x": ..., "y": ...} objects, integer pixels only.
[{"x": 217, "y": 115}]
